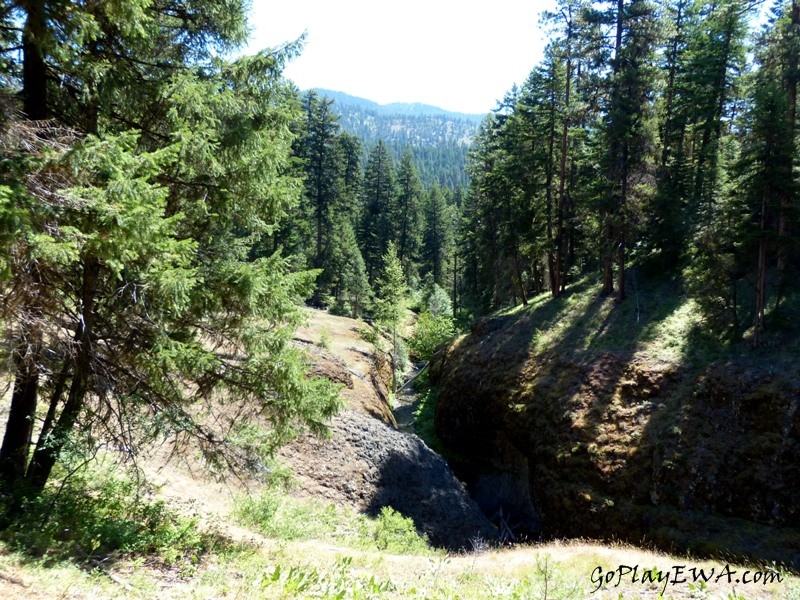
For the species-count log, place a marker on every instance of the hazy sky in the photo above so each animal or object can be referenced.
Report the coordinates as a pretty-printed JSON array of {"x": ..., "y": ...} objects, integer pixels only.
[{"x": 461, "y": 56}]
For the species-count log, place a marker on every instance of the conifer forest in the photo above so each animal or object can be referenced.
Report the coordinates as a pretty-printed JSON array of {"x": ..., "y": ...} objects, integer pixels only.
[{"x": 173, "y": 208}]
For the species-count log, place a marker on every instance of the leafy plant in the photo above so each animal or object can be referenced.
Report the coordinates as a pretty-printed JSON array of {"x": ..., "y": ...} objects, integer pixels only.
[
  {"x": 397, "y": 534},
  {"x": 279, "y": 516},
  {"x": 431, "y": 333},
  {"x": 96, "y": 512}
]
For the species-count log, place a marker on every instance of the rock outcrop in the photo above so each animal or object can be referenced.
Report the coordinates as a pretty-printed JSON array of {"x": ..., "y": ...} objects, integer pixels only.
[
  {"x": 368, "y": 465},
  {"x": 366, "y": 462},
  {"x": 618, "y": 447}
]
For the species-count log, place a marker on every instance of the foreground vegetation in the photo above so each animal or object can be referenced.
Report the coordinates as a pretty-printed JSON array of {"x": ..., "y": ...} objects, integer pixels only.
[{"x": 367, "y": 559}]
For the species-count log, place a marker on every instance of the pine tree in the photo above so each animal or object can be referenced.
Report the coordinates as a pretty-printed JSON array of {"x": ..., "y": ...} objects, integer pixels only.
[
  {"x": 351, "y": 177},
  {"x": 438, "y": 236},
  {"x": 409, "y": 204},
  {"x": 379, "y": 209},
  {"x": 631, "y": 87},
  {"x": 391, "y": 299},
  {"x": 346, "y": 271},
  {"x": 319, "y": 150}
]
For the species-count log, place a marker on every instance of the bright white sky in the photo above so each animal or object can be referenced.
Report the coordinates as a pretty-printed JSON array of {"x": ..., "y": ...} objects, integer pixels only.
[{"x": 458, "y": 55}]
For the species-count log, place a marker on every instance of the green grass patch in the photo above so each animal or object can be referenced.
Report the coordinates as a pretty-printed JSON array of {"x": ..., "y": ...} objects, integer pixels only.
[
  {"x": 337, "y": 581},
  {"x": 657, "y": 321},
  {"x": 280, "y": 516}
]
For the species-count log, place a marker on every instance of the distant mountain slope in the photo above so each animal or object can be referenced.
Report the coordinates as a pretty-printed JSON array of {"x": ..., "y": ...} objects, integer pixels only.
[
  {"x": 439, "y": 139},
  {"x": 396, "y": 108}
]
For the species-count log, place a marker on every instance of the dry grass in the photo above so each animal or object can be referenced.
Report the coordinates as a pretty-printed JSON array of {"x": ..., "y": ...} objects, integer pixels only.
[{"x": 553, "y": 570}]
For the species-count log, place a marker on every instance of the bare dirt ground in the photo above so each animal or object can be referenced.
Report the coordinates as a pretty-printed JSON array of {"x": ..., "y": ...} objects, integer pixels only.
[{"x": 339, "y": 351}]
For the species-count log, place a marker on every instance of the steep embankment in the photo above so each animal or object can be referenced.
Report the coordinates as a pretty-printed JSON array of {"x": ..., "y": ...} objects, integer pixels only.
[
  {"x": 578, "y": 418},
  {"x": 366, "y": 463}
]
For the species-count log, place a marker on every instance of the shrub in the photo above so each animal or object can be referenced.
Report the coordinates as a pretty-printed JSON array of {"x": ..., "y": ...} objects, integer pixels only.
[
  {"x": 96, "y": 513},
  {"x": 438, "y": 302},
  {"x": 431, "y": 333},
  {"x": 283, "y": 517},
  {"x": 401, "y": 360},
  {"x": 397, "y": 534}
]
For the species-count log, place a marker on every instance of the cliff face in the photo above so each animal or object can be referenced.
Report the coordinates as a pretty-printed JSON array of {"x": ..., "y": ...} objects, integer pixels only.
[{"x": 617, "y": 446}]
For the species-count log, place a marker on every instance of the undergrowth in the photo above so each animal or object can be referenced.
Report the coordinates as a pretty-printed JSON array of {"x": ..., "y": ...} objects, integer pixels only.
[
  {"x": 424, "y": 424},
  {"x": 280, "y": 516},
  {"x": 97, "y": 513}
]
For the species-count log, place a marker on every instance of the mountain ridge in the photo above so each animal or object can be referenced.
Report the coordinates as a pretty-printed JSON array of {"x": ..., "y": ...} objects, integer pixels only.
[
  {"x": 397, "y": 108},
  {"x": 439, "y": 139}
]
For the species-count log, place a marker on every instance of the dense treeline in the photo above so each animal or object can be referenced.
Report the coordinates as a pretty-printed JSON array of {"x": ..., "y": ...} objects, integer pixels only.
[
  {"x": 440, "y": 142},
  {"x": 356, "y": 215},
  {"x": 660, "y": 136}
]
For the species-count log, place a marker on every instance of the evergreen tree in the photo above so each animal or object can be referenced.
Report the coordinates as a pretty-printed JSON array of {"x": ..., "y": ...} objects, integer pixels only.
[
  {"x": 438, "y": 237},
  {"x": 347, "y": 273},
  {"x": 126, "y": 305},
  {"x": 379, "y": 209},
  {"x": 319, "y": 150},
  {"x": 631, "y": 88},
  {"x": 351, "y": 177},
  {"x": 409, "y": 201},
  {"x": 391, "y": 300}
]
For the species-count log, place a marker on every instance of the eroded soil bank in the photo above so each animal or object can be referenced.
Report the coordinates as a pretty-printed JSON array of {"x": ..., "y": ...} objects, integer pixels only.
[{"x": 366, "y": 462}]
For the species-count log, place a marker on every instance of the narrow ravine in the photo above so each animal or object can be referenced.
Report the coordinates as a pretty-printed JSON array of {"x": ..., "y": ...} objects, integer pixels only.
[{"x": 407, "y": 401}]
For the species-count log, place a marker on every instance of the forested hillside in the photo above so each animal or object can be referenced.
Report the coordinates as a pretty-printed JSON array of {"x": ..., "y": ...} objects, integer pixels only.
[
  {"x": 362, "y": 219},
  {"x": 602, "y": 277},
  {"x": 651, "y": 137},
  {"x": 439, "y": 139}
]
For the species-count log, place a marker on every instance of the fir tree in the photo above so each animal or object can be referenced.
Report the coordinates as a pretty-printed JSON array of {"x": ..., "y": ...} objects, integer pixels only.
[
  {"x": 379, "y": 209},
  {"x": 409, "y": 205},
  {"x": 151, "y": 308}
]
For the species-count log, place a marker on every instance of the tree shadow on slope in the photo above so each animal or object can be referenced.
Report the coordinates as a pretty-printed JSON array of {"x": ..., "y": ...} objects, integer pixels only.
[
  {"x": 602, "y": 400},
  {"x": 418, "y": 484}
]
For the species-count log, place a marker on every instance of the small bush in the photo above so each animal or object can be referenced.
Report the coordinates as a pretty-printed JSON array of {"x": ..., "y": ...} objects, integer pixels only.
[
  {"x": 341, "y": 308},
  {"x": 277, "y": 516},
  {"x": 431, "y": 333},
  {"x": 325, "y": 339},
  {"x": 282, "y": 517},
  {"x": 401, "y": 360},
  {"x": 397, "y": 534},
  {"x": 371, "y": 336},
  {"x": 438, "y": 302}
]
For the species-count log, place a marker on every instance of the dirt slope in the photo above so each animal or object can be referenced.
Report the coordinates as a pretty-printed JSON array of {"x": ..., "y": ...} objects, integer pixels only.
[
  {"x": 367, "y": 463},
  {"x": 337, "y": 350}
]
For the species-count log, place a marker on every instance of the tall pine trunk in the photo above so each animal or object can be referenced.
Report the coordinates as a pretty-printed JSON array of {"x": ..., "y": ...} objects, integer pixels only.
[
  {"x": 34, "y": 69},
  {"x": 19, "y": 426},
  {"x": 549, "y": 184},
  {"x": 562, "y": 184},
  {"x": 28, "y": 348},
  {"x": 615, "y": 166}
]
